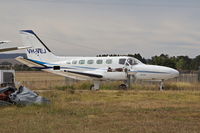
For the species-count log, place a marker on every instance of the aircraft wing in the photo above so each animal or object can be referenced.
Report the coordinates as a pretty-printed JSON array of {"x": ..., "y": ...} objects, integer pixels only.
[
  {"x": 13, "y": 48},
  {"x": 69, "y": 75},
  {"x": 76, "y": 74},
  {"x": 90, "y": 74}
]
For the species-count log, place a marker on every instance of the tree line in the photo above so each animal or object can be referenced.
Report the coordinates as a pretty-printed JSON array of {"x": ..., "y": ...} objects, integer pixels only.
[{"x": 181, "y": 63}]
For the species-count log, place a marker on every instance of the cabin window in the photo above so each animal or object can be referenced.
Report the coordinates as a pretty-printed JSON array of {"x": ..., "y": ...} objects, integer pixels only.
[
  {"x": 122, "y": 61},
  {"x": 108, "y": 61},
  {"x": 74, "y": 62},
  {"x": 82, "y": 62},
  {"x": 99, "y": 61},
  {"x": 90, "y": 61}
]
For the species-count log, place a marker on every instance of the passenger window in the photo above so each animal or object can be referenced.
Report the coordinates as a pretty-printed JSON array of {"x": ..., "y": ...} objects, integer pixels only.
[
  {"x": 90, "y": 61},
  {"x": 82, "y": 62},
  {"x": 99, "y": 61},
  {"x": 122, "y": 61},
  {"x": 74, "y": 62},
  {"x": 108, "y": 61}
]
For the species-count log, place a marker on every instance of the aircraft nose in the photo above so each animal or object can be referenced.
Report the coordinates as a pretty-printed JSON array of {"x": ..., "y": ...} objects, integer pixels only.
[{"x": 174, "y": 73}]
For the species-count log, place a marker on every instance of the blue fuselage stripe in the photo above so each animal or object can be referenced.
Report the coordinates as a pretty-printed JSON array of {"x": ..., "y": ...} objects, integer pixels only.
[
  {"x": 150, "y": 72},
  {"x": 92, "y": 68}
]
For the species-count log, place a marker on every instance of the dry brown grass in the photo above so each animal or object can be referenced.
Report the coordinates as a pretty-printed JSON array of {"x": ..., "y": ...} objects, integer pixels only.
[
  {"x": 39, "y": 80},
  {"x": 107, "y": 111},
  {"x": 43, "y": 80},
  {"x": 140, "y": 110}
]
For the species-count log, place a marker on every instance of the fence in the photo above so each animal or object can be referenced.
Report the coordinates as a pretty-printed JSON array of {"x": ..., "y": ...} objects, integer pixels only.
[
  {"x": 187, "y": 77},
  {"x": 39, "y": 80}
]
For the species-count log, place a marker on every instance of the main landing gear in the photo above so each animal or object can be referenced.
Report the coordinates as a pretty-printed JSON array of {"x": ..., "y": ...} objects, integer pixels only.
[
  {"x": 127, "y": 84},
  {"x": 95, "y": 86},
  {"x": 123, "y": 86}
]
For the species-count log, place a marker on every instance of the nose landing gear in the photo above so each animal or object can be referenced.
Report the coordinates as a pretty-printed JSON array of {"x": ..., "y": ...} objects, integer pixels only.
[{"x": 161, "y": 85}]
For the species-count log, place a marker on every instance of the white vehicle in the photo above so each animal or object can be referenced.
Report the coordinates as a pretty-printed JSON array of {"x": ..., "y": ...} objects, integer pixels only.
[{"x": 96, "y": 69}]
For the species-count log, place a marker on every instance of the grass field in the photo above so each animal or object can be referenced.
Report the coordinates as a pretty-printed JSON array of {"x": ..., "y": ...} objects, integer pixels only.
[
  {"x": 42, "y": 80},
  {"x": 106, "y": 111}
]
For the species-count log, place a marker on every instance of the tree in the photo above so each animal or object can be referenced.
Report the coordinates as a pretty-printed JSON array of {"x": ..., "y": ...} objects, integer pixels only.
[
  {"x": 163, "y": 60},
  {"x": 139, "y": 57},
  {"x": 195, "y": 63},
  {"x": 183, "y": 63}
]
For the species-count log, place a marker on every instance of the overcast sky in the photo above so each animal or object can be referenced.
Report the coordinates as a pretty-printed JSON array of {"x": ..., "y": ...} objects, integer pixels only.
[{"x": 91, "y": 27}]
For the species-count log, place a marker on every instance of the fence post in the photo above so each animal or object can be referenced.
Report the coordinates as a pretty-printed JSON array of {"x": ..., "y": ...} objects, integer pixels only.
[
  {"x": 199, "y": 74},
  {"x": 69, "y": 81}
]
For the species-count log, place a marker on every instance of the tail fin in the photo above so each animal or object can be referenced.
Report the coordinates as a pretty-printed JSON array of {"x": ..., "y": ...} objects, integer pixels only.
[{"x": 38, "y": 51}]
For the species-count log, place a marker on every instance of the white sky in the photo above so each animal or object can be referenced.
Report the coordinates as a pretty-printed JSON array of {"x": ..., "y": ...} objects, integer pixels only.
[{"x": 92, "y": 27}]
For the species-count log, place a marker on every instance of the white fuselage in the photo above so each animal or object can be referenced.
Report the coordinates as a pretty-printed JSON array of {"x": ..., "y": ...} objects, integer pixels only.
[{"x": 101, "y": 65}]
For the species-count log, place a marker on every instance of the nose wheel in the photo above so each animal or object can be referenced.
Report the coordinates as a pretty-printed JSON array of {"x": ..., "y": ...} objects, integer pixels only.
[{"x": 161, "y": 85}]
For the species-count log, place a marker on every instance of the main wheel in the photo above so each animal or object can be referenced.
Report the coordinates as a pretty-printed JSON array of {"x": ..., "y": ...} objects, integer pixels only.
[
  {"x": 123, "y": 86},
  {"x": 92, "y": 87}
]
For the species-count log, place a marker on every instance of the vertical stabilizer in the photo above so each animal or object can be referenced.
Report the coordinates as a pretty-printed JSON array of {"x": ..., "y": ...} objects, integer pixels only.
[{"x": 38, "y": 51}]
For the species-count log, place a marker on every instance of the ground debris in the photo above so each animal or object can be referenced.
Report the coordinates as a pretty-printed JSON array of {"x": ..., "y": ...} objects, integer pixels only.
[{"x": 22, "y": 96}]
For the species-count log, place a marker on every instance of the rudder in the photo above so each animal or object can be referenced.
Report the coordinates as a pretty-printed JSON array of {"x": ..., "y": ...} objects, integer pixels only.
[{"x": 38, "y": 51}]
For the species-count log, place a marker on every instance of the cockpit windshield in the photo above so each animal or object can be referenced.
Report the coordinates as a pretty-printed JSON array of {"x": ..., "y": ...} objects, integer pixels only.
[
  {"x": 132, "y": 61},
  {"x": 129, "y": 61}
]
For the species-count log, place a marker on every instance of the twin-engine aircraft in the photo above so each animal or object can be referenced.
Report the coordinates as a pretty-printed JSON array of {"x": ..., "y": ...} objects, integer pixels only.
[{"x": 96, "y": 69}]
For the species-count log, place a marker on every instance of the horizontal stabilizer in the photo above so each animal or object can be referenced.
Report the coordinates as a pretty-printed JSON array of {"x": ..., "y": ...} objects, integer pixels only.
[{"x": 29, "y": 63}]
